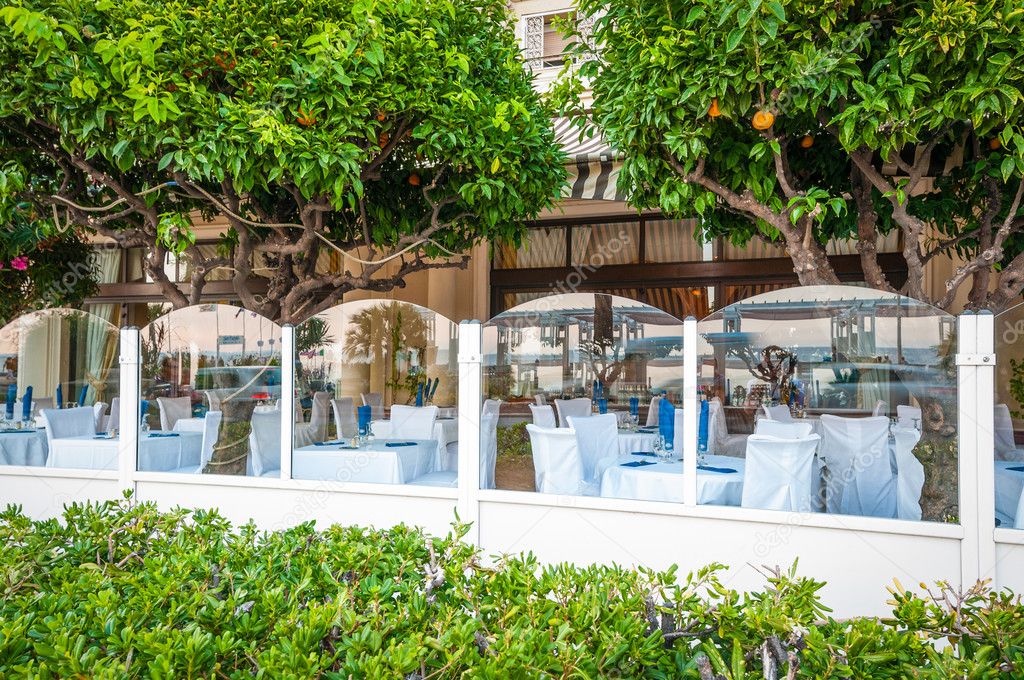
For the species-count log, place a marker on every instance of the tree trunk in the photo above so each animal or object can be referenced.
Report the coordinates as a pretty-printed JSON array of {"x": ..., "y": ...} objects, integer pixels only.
[
  {"x": 938, "y": 452},
  {"x": 232, "y": 449}
]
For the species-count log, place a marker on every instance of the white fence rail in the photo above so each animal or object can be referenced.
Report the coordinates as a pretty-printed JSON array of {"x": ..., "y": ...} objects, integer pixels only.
[{"x": 857, "y": 556}]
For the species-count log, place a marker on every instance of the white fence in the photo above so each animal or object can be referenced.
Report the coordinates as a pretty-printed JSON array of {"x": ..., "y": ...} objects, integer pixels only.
[{"x": 857, "y": 556}]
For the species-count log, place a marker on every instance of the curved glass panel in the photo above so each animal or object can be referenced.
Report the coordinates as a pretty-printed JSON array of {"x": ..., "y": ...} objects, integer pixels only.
[
  {"x": 377, "y": 385},
  {"x": 869, "y": 376},
  {"x": 580, "y": 354},
  {"x": 65, "y": 362},
  {"x": 211, "y": 386},
  {"x": 1008, "y": 428}
]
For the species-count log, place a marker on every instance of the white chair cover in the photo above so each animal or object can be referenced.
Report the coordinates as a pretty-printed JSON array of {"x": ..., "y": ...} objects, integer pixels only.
[
  {"x": 492, "y": 406},
  {"x": 345, "y": 417},
  {"x": 906, "y": 415},
  {"x": 720, "y": 442},
  {"x": 375, "y": 400},
  {"x": 173, "y": 410},
  {"x": 571, "y": 407},
  {"x": 318, "y": 416},
  {"x": 543, "y": 416},
  {"x": 780, "y": 430},
  {"x": 597, "y": 441},
  {"x": 881, "y": 408},
  {"x": 265, "y": 443},
  {"x": 861, "y": 480},
  {"x": 69, "y": 422},
  {"x": 909, "y": 474},
  {"x": 1005, "y": 444},
  {"x": 99, "y": 412},
  {"x": 488, "y": 449},
  {"x": 779, "y": 412},
  {"x": 556, "y": 460},
  {"x": 779, "y": 473},
  {"x": 652, "y": 412},
  {"x": 414, "y": 422},
  {"x": 540, "y": 400},
  {"x": 211, "y": 431},
  {"x": 114, "y": 420}
]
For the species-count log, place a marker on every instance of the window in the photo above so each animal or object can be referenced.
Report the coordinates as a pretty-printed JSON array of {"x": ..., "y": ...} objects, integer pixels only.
[{"x": 544, "y": 40}]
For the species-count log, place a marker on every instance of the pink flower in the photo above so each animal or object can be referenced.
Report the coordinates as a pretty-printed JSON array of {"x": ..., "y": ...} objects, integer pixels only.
[{"x": 20, "y": 263}]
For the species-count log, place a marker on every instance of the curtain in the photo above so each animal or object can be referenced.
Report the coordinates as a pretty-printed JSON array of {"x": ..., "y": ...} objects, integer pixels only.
[{"x": 100, "y": 342}]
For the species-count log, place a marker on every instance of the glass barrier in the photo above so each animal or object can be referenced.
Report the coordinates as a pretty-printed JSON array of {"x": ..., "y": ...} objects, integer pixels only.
[
  {"x": 830, "y": 399},
  {"x": 377, "y": 384},
  {"x": 1008, "y": 428},
  {"x": 211, "y": 390},
  {"x": 59, "y": 379},
  {"x": 580, "y": 385}
]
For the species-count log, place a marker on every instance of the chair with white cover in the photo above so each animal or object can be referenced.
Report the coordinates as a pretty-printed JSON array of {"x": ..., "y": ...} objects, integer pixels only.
[
  {"x": 556, "y": 461},
  {"x": 488, "y": 459},
  {"x": 577, "y": 408},
  {"x": 345, "y": 417},
  {"x": 69, "y": 422},
  {"x": 1005, "y": 442},
  {"x": 543, "y": 416},
  {"x": 375, "y": 400},
  {"x": 881, "y": 408},
  {"x": 540, "y": 400},
  {"x": 908, "y": 417},
  {"x": 319, "y": 415},
  {"x": 652, "y": 412},
  {"x": 778, "y": 412},
  {"x": 211, "y": 431},
  {"x": 909, "y": 474},
  {"x": 492, "y": 407},
  {"x": 264, "y": 458},
  {"x": 788, "y": 430},
  {"x": 779, "y": 473},
  {"x": 861, "y": 480},
  {"x": 720, "y": 442},
  {"x": 99, "y": 412},
  {"x": 114, "y": 419},
  {"x": 172, "y": 410},
  {"x": 597, "y": 440},
  {"x": 413, "y": 422}
]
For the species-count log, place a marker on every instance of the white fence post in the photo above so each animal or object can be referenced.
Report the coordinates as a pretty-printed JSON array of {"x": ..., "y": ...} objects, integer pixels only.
[
  {"x": 128, "y": 412},
  {"x": 967, "y": 428},
  {"x": 470, "y": 400},
  {"x": 287, "y": 398},
  {"x": 985, "y": 438},
  {"x": 691, "y": 414}
]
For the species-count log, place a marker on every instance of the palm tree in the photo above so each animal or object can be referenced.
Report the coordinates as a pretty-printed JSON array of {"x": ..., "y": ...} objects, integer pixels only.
[{"x": 384, "y": 330}]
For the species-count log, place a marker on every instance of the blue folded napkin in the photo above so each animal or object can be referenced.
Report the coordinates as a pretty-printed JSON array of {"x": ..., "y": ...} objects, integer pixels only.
[
  {"x": 163, "y": 434},
  {"x": 667, "y": 423},
  {"x": 12, "y": 396},
  {"x": 82, "y": 394},
  {"x": 643, "y": 453},
  {"x": 708, "y": 468},
  {"x": 103, "y": 436},
  {"x": 702, "y": 428},
  {"x": 17, "y": 431},
  {"x": 419, "y": 394},
  {"x": 337, "y": 443},
  {"x": 648, "y": 430},
  {"x": 638, "y": 463},
  {"x": 393, "y": 444},
  {"x": 602, "y": 406},
  {"x": 364, "y": 413},
  {"x": 26, "y": 403},
  {"x": 634, "y": 406},
  {"x": 1019, "y": 468}
]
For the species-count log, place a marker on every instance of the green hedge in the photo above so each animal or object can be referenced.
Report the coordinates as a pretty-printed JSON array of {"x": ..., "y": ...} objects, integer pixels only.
[{"x": 123, "y": 590}]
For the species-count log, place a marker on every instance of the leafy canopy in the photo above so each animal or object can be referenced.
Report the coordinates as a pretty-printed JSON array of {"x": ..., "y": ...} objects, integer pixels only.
[
  {"x": 379, "y": 125},
  {"x": 835, "y": 88}
]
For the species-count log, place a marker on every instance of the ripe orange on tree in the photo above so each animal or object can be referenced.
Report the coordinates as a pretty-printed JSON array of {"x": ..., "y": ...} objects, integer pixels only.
[{"x": 763, "y": 120}]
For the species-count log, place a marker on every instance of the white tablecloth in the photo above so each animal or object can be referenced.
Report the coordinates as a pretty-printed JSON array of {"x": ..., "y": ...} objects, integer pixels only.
[
  {"x": 446, "y": 431},
  {"x": 630, "y": 442},
  {"x": 25, "y": 447},
  {"x": 375, "y": 462},
  {"x": 664, "y": 481},
  {"x": 1009, "y": 485},
  {"x": 155, "y": 453},
  {"x": 190, "y": 425}
]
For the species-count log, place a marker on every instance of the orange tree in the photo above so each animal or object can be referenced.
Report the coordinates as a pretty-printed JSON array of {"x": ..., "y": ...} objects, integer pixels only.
[
  {"x": 770, "y": 119},
  {"x": 398, "y": 132}
]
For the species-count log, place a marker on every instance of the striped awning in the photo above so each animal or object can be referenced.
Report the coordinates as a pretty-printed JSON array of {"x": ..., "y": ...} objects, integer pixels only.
[{"x": 593, "y": 166}]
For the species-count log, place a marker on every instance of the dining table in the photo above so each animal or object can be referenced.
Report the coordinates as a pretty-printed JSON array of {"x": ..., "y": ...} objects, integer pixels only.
[
  {"x": 648, "y": 478},
  {"x": 158, "y": 451},
  {"x": 446, "y": 433},
  {"x": 25, "y": 446},
  {"x": 379, "y": 461}
]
